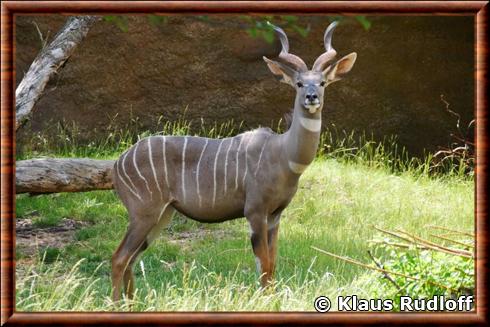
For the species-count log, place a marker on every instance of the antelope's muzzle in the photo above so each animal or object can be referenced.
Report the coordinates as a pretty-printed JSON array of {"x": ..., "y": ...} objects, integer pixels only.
[{"x": 312, "y": 103}]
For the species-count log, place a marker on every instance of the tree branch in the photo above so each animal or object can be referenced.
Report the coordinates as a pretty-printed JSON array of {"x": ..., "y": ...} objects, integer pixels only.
[{"x": 47, "y": 63}]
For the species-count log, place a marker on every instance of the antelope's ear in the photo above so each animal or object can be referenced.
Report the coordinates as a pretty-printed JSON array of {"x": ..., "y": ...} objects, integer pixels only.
[
  {"x": 337, "y": 70},
  {"x": 288, "y": 74}
]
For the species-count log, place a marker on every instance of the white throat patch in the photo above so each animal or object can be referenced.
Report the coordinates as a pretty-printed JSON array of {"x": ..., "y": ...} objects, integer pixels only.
[{"x": 313, "y": 125}]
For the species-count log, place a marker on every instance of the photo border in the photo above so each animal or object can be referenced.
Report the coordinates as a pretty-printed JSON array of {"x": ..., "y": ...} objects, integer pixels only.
[{"x": 479, "y": 9}]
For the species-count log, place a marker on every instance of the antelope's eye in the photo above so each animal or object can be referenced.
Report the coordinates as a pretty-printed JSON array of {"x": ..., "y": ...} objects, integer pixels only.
[
  {"x": 322, "y": 83},
  {"x": 299, "y": 84}
]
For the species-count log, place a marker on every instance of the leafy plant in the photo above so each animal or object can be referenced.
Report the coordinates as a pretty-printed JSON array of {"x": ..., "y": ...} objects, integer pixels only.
[
  {"x": 258, "y": 27},
  {"x": 437, "y": 274},
  {"x": 421, "y": 268}
]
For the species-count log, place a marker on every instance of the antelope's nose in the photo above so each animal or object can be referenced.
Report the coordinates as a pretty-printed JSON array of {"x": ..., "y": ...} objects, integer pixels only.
[{"x": 311, "y": 97}]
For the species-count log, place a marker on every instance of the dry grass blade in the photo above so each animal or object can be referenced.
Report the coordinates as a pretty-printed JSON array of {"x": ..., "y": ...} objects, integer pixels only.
[{"x": 349, "y": 260}]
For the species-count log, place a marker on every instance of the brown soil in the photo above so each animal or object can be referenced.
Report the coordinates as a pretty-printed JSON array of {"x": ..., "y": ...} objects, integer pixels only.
[
  {"x": 184, "y": 239},
  {"x": 31, "y": 238}
]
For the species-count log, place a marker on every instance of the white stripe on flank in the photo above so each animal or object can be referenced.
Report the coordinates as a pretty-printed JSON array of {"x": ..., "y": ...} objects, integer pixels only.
[
  {"x": 226, "y": 163},
  {"x": 183, "y": 168},
  {"x": 260, "y": 156},
  {"x": 197, "y": 172},
  {"x": 162, "y": 211},
  {"x": 126, "y": 184},
  {"x": 153, "y": 167},
  {"x": 246, "y": 158},
  {"x": 214, "y": 172},
  {"x": 297, "y": 168},
  {"x": 138, "y": 171},
  {"x": 127, "y": 176},
  {"x": 237, "y": 153},
  {"x": 313, "y": 125},
  {"x": 165, "y": 161}
]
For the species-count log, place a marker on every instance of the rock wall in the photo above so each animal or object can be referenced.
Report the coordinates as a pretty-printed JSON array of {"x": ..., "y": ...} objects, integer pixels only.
[{"x": 215, "y": 70}]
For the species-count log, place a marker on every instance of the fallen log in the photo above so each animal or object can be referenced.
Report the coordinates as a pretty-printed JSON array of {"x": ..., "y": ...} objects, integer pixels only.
[{"x": 39, "y": 176}]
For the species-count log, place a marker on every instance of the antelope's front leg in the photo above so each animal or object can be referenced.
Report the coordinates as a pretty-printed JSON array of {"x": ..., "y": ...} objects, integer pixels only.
[{"x": 258, "y": 228}]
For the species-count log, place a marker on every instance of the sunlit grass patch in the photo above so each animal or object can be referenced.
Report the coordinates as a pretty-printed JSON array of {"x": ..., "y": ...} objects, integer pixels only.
[{"x": 353, "y": 185}]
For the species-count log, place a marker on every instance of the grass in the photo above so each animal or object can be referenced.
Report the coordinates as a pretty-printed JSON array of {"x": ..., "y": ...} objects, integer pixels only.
[{"x": 350, "y": 187}]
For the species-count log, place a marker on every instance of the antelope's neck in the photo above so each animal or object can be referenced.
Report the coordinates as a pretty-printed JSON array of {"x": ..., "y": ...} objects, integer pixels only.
[{"x": 302, "y": 138}]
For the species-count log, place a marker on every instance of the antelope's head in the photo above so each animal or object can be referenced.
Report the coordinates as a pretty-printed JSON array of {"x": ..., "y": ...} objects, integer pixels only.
[{"x": 310, "y": 84}]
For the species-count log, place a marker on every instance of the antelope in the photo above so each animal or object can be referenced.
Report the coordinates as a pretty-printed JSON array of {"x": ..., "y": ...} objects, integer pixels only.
[{"x": 253, "y": 175}]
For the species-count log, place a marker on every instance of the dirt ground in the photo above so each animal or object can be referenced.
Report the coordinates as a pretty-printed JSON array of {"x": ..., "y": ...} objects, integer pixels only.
[{"x": 31, "y": 238}]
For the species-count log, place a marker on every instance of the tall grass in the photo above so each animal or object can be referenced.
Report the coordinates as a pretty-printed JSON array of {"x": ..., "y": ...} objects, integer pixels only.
[
  {"x": 354, "y": 183},
  {"x": 52, "y": 288},
  {"x": 65, "y": 140}
]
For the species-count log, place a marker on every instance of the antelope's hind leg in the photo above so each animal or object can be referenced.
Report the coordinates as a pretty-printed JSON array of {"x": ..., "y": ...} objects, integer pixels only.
[{"x": 142, "y": 230}]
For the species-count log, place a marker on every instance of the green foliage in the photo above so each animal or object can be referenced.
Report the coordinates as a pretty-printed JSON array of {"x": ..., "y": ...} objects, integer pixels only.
[
  {"x": 157, "y": 20},
  {"x": 51, "y": 254},
  {"x": 258, "y": 26},
  {"x": 120, "y": 21},
  {"x": 437, "y": 273},
  {"x": 366, "y": 24},
  {"x": 196, "y": 266}
]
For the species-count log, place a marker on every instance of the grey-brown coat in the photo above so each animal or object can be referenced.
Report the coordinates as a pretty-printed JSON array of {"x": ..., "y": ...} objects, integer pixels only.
[{"x": 254, "y": 174}]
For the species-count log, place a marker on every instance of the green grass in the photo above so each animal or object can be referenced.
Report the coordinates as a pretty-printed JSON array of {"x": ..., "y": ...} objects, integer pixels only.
[
  {"x": 334, "y": 209},
  {"x": 353, "y": 184}
]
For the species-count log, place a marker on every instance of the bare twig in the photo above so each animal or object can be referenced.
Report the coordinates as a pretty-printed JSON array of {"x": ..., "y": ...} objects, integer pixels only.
[
  {"x": 462, "y": 139},
  {"x": 379, "y": 229},
  {"x": 382, "y": 270},
  {"x": 461, "y": 151},
  {"x": 401, "y": 245},
  {"x": 451, "y": 230},
  {"x": 458, "y": 116},
  {"x": 430, "y": 244},
  {"x": 380, "y": 266},
  {"x": 416, "y": 245},
  {"x": 427, "y": 244},
  {"x": 451, "y": 240},
  {"x": 44, "y": 40}
]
